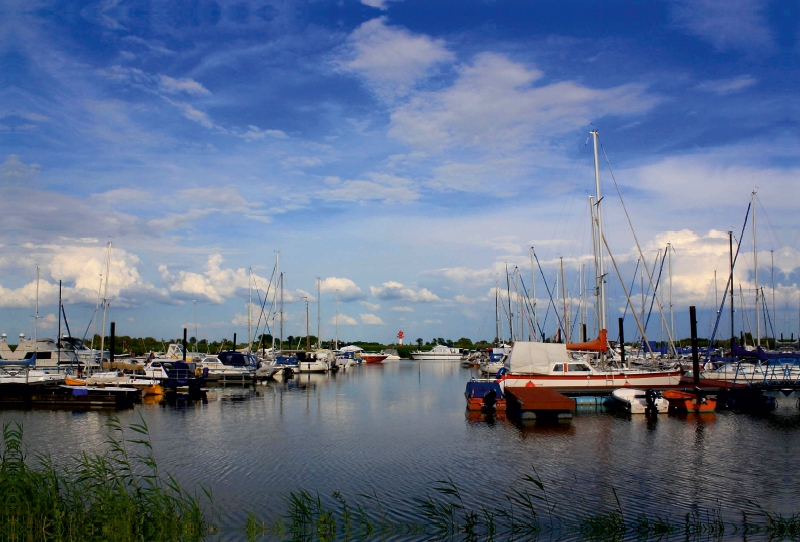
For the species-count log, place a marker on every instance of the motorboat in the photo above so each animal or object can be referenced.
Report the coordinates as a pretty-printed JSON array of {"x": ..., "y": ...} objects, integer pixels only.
[
  {"x": 319, "y": 361},
  {"x": 229, "y": 366},
  {"x": 391, "y": 354},
  {"x": 686, "y": 401},
  {"x": 635, "y": 401},
  {"x": 373, "y": 357},
  {"x": 440, "y": 352},
  {"x": 51, "y": 354},
  {"x": 495, "y": 360},
  {"x": 485, "y": 395},
  {"x": 551, "y": 365}
]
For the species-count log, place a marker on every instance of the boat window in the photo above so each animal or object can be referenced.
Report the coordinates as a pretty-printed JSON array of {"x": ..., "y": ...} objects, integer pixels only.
[
  {"x": 578, "y": 367},
  {"x": 558, "y": 368}
]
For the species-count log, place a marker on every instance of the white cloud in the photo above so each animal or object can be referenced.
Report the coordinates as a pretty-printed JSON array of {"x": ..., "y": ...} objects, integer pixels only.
[
  {"x": 215, "y": 284},
  {"x": 494, "y": 104},
  {"x": 464, "y": 275},
  {"x": 371, "y": 320},
  {"x": 395, "y": 290},
  {"x": 348, "y": 290},
  {"x": 432, "y": 322},
  {"x": 379, "y": 4},
  {"x": 254, "y": 133},
  {"x": 388, "y": 188},
  {"x": 195, "y": 115},
  {"x": 174, "y": 86},
  {"x": 344, "y": 320},
  {"x": 728, "y": 86},
  {"x": 402, "y": 309},
  {"x": 370, "y": 306},
  {"x": 391, "y": 59},
  {"x": 80, "y": 269},
  {"x": 49, "y": 321},
  {"x": 730, "y": 25}
]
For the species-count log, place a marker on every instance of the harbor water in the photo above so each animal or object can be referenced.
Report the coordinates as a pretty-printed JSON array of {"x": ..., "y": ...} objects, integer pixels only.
[{"x": 393, "y": 430}]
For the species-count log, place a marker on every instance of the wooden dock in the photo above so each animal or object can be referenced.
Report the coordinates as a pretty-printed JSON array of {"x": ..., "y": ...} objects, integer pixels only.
[{"x": 538, "y": 402}]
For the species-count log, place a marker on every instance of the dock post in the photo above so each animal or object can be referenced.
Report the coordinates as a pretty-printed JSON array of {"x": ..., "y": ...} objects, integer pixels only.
[
  {"x": 583, "y": 333},
  {"x": 234, "y": 342},
  {"x": 695, "y": 355},
  {"x": 111, "y": 342},
  {"x": 621, "y": 342},
  {"x": 184, "y": 345}
]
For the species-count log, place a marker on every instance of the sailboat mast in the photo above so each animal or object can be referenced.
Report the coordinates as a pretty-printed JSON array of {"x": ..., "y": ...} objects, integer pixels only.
[
  {"x": 564, "y": 302},
  {"x": 337, "y": 321},
  {"x": 671, "y": 313},
  {"x": 105, "y": 300},
  {"x": 533, "y": 292},
  {"x": 595, "y": 248},
  {"x": 599, "y": 217},
  {"x": 249, "y": 312},
  {"x": 497, "y": 312},
  {"x": 772, "y": 272},
  {"x": 510, "y": 314},
  {"x": 36, "y": 316},
  {"x": 281, "y": 277},
  {"x": 755, "y": 266},
  {"x": 58, "y": 339},
  {"x": 319, "y": 316},
  {"x": 733, "y": 323}
]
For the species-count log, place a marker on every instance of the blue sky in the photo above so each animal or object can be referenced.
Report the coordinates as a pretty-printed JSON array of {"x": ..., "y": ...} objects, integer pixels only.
[{"x": 402, "y": 151}]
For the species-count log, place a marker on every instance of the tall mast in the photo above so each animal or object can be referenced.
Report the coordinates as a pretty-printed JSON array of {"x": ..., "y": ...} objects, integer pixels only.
[
  {"x": 58, "y": 339},
  {"x": 774, "y": 312},
  {"x": 564, "y": 302},
  {"x": 671, "y": 314},
  {"x": 249, "y": 315},
  {"x": 196, "y": 337},
  {"x": 755, "y": 266},
  {"x": 319, "y": 316},
  {"x": 733, "y": 323},
  {"x": 281, "y": 277},
  {"x": 337, "y": 320},
  {"x": 510, "y": 314},
  {"x": 595, "y": 249},
  {"x": 308, "y": 339},
  {"x": 105, "y": 300},
  {"x": 599, "y": 217},
  {"x": 36, "y": 315},
  {"x": 497, "y": 312},
  {"x": 533, "y": 292}
]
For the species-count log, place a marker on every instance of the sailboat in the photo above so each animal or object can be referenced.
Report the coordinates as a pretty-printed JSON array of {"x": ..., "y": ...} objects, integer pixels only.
[{"x": 560, "y": 366}]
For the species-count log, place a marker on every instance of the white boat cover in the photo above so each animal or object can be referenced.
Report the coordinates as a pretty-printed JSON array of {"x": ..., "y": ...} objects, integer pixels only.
[
  {"x": 539, "y": 358},
  {"x": 351, "y": 348}
]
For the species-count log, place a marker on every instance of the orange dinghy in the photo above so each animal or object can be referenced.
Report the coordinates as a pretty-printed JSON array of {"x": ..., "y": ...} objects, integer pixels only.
[
  {"x": 71, "y": 381},
  {"x": 685, "y": 401}
]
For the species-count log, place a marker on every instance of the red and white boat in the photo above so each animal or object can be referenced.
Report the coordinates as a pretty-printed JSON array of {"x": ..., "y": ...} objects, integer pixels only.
[
  {"x": 551, "y": 365},
  {"x": 372, "y": 357}
]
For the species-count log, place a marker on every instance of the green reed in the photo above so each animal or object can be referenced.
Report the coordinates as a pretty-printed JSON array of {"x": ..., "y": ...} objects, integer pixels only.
[
  {"x": 524, "y": 512},
  {"x": 118, "y": 495}
]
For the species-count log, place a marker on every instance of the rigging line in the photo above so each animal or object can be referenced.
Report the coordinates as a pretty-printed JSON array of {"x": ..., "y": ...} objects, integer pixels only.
[
  {"x": 633, "y": 282},
  {"x": 766, "y": 311},
  {"x": 628, "y": 297},
  {"x": 655, "y": 291},
  {"x": 550, "y": 295},
  {"x": 729, "y": 283},
  {"x": 528, "y": 305},
  {"x": 639, "y": 248},
  {"x": 263, "y": 304}
]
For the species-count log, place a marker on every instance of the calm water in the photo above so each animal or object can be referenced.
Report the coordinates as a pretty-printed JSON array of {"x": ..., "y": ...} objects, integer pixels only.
[{"x": 399, "y": 427}]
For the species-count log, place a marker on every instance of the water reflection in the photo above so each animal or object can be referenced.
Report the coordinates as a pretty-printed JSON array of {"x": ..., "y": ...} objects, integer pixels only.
[{"x": 398, "y": 428}]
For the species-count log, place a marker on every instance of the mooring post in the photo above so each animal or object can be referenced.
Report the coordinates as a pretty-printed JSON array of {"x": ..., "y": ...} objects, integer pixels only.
[
  {"x": 583, "y": 332},
  {"x": 234, "y": 342},
  {"x": 621, "y": 342},
  {"x": 111, "y": 342},
  {"x": 695, "y": 354},
  {"x": 184, "y": 345}
]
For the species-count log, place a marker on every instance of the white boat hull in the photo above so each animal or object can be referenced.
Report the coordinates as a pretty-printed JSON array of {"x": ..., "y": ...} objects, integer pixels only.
[
  {"x": 596, "y": 381},
  {"x": 634, "y": 401}
]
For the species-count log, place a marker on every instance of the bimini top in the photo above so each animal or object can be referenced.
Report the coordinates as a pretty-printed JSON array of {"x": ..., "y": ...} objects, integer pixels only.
[
  {"x": 528, "y": 357},
  {"x": 351, "y": 348}
]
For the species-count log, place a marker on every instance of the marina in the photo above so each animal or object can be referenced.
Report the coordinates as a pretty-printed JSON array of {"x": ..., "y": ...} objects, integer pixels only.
[{"x": 397, "y": 428}]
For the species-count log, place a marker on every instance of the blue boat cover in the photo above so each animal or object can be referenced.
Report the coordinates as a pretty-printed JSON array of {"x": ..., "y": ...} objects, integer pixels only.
[{"x": 477, "y": 388}]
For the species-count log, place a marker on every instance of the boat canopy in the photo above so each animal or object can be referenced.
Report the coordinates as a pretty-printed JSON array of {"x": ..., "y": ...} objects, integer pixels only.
[
  {"x": 530, "y": 357},
  {"x": 600, "y": 344},
  {"x": 351, "y": 348}
]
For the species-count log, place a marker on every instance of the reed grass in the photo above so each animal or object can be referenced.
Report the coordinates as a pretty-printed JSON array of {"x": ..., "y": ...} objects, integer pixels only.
[
  {"x": 118, "y": 495},
  {"x": 524, "y": 513}
]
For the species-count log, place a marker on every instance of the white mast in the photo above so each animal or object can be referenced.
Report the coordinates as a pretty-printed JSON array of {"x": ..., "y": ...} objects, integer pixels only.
[
  {"x": 337, "y": 321},
  {"x": 671, "y": 313},
  {"x": 595, "y": 249},
  {"x": 533, "y": 292},
  {"x": 319, "y": 316},
  {"x": 196, "y": 337},
  {"x": 599, "y": 217},
  {"x": 249, "y": 316},
  {"x": 755, "y": 266},
  {"x": 36, "y": 316},
  {"x": 105, "y": 300},
  {"x": 281, "y": 277}
]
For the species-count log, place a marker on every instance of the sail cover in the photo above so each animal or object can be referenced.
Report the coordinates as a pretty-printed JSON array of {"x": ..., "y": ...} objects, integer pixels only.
[
  {"x": 539, "y": 358},
  {"x": 600, "y": 344}
]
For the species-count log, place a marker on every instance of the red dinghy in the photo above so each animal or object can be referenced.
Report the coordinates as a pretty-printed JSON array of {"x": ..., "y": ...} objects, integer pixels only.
[{"x": 373, "y": 358}]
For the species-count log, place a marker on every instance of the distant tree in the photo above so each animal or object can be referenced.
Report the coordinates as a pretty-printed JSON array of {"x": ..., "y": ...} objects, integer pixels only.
[
  {"x": 463, "y": 342},
  {"x": 419, "y": 343}
]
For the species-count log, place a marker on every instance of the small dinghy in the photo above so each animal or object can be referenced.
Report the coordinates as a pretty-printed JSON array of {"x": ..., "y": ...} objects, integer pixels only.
[
  {"x": 685, "y": 401},
  {"x": 638, "y": 401}
]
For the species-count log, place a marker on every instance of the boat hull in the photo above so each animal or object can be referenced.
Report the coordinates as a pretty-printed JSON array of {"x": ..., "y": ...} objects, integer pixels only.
[
  {"x": 683, "y": 401},
  {"x": 594, "y": 382}
]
